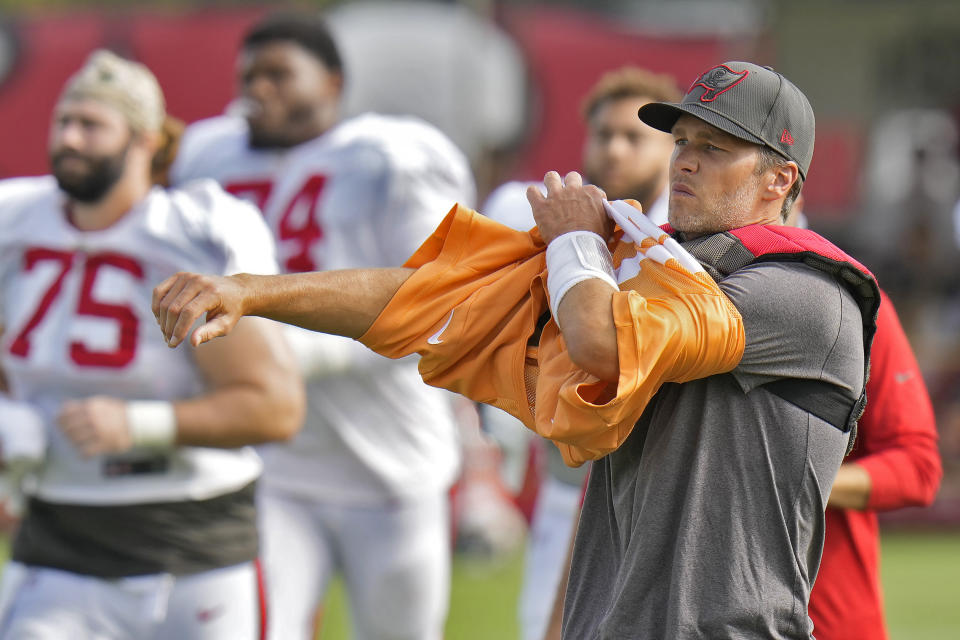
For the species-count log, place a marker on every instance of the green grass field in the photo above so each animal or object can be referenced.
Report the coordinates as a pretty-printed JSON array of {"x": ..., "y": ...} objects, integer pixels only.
[
  {"x": 921, "y": 582},
  {"x": 921, "y": 577},
  {"x": 483, "y": 602}
]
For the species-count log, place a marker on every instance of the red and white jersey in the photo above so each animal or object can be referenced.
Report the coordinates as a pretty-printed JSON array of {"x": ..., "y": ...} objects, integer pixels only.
[
  {"x": 367, "y": 193},
  {"x": 76, "y": 318}
]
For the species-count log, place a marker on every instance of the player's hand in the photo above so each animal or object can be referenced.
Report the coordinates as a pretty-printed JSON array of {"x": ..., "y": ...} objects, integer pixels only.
[
  {"x": 568, "y": 206},
  {"x": 96, "y": 425},
  {"x": 183, "y": 298}
]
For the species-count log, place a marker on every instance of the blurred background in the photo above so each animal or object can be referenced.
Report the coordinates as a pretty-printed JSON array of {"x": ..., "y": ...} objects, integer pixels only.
[{"x": 505, "y": 81}]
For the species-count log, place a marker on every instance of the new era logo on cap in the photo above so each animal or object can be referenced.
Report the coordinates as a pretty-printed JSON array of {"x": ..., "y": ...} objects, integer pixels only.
[{"x": 748, "y": 101}]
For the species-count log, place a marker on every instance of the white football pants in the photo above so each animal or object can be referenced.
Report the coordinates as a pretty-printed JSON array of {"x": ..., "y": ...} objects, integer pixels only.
[
  {"x": 551, "y": 529},
  {"x": 395, "y": 561},
  {"x": 49, "y": 604}
]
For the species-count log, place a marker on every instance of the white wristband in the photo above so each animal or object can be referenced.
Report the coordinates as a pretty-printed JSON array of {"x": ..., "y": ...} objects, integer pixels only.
[
  {"x": 152, "y": 423},
  {"x": 574, "y": 257}
]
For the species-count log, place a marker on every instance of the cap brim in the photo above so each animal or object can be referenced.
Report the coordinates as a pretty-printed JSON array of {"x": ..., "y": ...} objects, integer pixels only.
[{"x": 663, "y": 115}]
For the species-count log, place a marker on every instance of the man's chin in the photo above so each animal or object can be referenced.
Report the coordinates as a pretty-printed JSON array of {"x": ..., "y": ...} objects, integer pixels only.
[
  {"x": 685, "y": 223},
  {"x": 268, "y": 140},
  {"x": 265, "y": 134},
  {"x": 620, "y": 191},
  {"x": 72, "y": 176},
  {"x": 614, "y": 190}
]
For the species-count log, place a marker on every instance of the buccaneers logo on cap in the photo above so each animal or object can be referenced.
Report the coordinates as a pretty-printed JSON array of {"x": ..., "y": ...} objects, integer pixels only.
[{"x": 717, "y": 80}]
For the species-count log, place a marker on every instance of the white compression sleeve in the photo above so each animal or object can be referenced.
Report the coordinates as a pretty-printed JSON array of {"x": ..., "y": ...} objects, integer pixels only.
[{"x": 574, "y": 257}]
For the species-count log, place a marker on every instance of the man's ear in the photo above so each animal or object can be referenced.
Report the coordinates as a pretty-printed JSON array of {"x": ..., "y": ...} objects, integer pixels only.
[
  {"x": 150, "y": 140},
  {"x": 337, "y": 81},
  {"x": 780, "y": 180}
]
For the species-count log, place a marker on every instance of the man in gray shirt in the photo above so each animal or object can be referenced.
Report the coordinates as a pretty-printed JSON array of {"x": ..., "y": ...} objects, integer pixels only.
[
  {"x": 705, "y": 518},
  {"x": 708, "y": 521}
]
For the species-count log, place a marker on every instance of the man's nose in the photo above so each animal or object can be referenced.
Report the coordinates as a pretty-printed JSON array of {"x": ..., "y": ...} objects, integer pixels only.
[
  {"x": 70, "y": 135},
  {"x": 684, "y": 160},
  {"x": 258, "y": 87},
  {"x": 617, "y": 147}
]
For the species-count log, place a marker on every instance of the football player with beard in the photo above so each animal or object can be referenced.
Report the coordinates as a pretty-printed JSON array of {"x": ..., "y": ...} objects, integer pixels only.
[{"x": 133, "y": 459}]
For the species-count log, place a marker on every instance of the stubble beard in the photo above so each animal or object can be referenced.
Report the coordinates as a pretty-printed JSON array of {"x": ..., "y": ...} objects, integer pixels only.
[{"x": 721, "y": 213}]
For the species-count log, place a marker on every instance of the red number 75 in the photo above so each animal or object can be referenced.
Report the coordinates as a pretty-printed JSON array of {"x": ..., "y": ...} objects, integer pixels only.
[{"x": 87, "y": 305}]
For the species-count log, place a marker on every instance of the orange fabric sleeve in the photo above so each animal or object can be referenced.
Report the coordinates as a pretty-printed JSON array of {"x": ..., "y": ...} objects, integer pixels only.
[
  {"x": 672, "y": 326},
  {"x": 473, "y": 303},
  {"x": 469, "y": 310}
]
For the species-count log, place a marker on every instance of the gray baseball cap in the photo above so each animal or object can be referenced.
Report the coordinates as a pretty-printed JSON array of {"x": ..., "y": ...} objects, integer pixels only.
[{"x": 750, "y": 102}]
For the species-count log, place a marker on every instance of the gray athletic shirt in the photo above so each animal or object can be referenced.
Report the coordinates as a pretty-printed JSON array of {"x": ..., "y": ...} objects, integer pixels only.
[{"x": 708, "y": 521}]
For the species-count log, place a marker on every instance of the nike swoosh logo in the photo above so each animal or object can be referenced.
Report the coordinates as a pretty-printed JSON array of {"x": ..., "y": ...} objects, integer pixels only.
[
  {"x": 435, "y": 338},
  {"x": 902, "y": 376},
  {"x": 206, "y": 615}
]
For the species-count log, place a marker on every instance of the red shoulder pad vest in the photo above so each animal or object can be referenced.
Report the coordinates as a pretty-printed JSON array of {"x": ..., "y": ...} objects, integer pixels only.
[
  {"x": 772, "y": 243},
  {"x": 724, "y": 253}
]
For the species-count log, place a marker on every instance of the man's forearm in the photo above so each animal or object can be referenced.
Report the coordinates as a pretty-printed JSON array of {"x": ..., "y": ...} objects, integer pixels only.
[
  {"x": 237, "y": 416},
  {"x": 338, "y": 302},
  {"x": 343, "y": 303},
  {"x": 585, "y": 317},
  {"x": 851, "y": 488}
]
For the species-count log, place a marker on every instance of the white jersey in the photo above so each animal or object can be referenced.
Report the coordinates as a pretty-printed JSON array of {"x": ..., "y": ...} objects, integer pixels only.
[
  {"x": 367, "y": 193},
  {"x": 76, "y": 318}
]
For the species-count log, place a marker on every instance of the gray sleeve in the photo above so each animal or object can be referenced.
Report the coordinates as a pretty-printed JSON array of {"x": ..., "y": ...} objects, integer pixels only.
[{"x": 799, "y": 322}]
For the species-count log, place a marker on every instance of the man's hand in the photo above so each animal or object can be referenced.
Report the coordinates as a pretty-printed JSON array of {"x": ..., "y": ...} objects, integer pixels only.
[
  {"x": 568, "y": 206},
  {"x": 96, "y": 425},
  {"x": 183, "y": 298}
]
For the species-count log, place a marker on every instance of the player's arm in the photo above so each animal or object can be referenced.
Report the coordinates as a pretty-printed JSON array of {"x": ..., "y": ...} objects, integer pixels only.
[
  {"x": 851, "y": 488},
  {"x": 255, "y": 391},
  {"x": 585, "y": 313},
  {"x": 342, "y": 303},
  {"x": 254, "y": 395},
  {"x": 585, "y": 317}
]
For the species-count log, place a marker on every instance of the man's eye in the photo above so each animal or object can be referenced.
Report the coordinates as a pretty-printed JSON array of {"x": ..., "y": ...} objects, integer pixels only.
[
  {"x": 680, "y": 142},
  {"x": 603, "y": 137}
]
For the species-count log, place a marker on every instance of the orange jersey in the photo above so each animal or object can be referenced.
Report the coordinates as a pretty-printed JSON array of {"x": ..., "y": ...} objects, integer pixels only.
[{"x": 472, "y": 306}]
